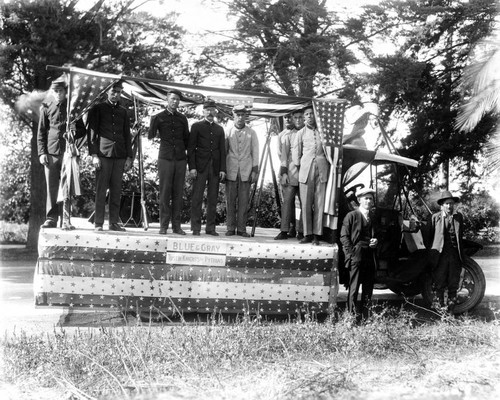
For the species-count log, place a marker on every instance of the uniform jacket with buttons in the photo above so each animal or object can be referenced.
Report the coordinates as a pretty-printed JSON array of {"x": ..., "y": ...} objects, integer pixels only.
[
  {"x": 207, "y": 142},
  {"x": 52, "y": 126},
  {"x": 173, "y": 131},
  {"x": 285, "y": 144},
  {"x": 242, "y": 153},
  {"x": 305, "y": 151},
  {"x": 109, "y": 131}
]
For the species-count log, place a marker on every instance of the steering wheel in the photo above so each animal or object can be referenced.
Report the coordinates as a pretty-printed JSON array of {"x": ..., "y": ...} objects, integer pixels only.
[{"x": 352, "y": 190}]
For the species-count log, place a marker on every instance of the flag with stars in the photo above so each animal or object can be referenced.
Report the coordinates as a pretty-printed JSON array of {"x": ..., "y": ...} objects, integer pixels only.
[
  {"x": 329, "y": 116},
  {"x": 86, "y": 88},
  {"x": 139, "y": 271}
]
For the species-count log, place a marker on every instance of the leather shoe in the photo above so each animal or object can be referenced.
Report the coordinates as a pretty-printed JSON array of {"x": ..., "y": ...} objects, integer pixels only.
[
  {"x": 230, "y": 233},
  {"x": 98, "y": 228},
  {"x": 281, "y": 236},
  {"x": 315, "y": 241},
  {"x": 300, "y": 236},
  {"x": 179, "y": 231},
  {"x": 212, "y": 233},
  {"x": 307, "y": 239},
  {"x": 163, "y": 231},
  {"x": 66, "y": 226},
  {"x": 49, "y": 224},
  {"x": 243, "y": 234},
  {"x": 116, "y": 227},
  {"x": 196, "y": 233},
  {"x": 292, "y": 233}
]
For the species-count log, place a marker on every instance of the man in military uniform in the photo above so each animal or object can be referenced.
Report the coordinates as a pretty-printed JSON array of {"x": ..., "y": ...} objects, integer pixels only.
[
  {"x": 110, "y": 146},
  {"x": 207, "y": 166},
  {"x": 173, "y": 130},
  {"x": 51, "y": 139},
  {"x": 242, "y": 162},
  {"x": 289, "y": 177}
]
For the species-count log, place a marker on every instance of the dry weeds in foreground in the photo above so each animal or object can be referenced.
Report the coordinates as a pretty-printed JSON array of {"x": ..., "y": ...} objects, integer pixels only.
[{"x": 391, "y": 356}]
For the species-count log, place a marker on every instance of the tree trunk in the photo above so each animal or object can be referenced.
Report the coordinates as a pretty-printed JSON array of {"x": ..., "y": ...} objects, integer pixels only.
[{"x": 38, "y": 193}]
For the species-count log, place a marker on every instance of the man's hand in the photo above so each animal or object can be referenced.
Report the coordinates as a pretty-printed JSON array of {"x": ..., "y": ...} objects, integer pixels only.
[
  {"x": 96, "y": 162},
  {"x": 193, "y": 173},
  {"x": 128, "y": 163},
  {"x": 44, "y": 160},
  {"x": 253, "y": 177},
  {"x": 284, "y": 179},
  {"x": 373, "y": 243},
  {"x": 222, "y": 175}
]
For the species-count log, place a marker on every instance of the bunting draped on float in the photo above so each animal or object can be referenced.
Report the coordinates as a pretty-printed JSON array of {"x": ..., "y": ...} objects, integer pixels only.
[{"x": 87, "y": 87}]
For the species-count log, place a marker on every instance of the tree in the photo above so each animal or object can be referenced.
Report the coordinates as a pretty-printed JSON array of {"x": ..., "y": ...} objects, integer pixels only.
[
  {"x": 481, "y": 93},
  {"x": 107, "y": 37},
  {"x": 290, "y": 46},
  {"x": 419, "y": 82}
]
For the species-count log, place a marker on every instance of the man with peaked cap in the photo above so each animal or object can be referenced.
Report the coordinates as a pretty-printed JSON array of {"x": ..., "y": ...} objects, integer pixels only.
[
  {"x": 358, "y": 236},
  {"x": 242, "y": 163},
  {"x": 51, "y": 139},
  {"x": 446, "y": 250},
  {"x": 110, "y": 146},
  {"x": 309, "y": 156},
  {"x": 173, "y": 130},
  {"x": 207, "y": 166},
  {"x": 289, "y": 176}
]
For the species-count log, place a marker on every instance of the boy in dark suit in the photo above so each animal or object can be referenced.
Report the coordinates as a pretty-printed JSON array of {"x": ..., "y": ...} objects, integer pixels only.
[
  {"x": 446, "y": 250},
  {"x": 359, "y": 244}
]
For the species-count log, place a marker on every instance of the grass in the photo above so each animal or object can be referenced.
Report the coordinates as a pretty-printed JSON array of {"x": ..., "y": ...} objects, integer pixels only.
[{"x": 391, "y": 353}]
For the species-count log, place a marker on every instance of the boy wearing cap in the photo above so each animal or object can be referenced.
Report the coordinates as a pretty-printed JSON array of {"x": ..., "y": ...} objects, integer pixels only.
[
  {"x": 110, "y": 146},
  {"x": 207, "y": 166},
  {"x": 242, "y": 162},
  {"x": 51, "y": 141},
  {"x": 359, "y": 242},
  {"x": 173, "y": 130},
  {"x": 446, "y": 248}
]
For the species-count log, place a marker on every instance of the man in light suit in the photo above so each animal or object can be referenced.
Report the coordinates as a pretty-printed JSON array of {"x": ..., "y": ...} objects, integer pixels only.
[
  {"x": 207, "y": 166},
  {"x": 309, "y": 156},
  {"x": 358, "y": 236},
  {"x": 446, "y": 250},
  {"x": 242, "y": 163}
]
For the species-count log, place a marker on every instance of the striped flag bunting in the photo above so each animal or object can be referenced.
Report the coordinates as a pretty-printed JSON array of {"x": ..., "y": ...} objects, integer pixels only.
[
  {"x": 329, "y": 115},
  {"x": 136, "y": 271}
]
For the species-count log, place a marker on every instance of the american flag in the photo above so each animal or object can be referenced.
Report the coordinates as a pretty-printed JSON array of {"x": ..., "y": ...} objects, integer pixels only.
[
  {"x": 86, "y": 86},
  {"x": 141, "y": 271},
  {"x": 329, "y": 115}
]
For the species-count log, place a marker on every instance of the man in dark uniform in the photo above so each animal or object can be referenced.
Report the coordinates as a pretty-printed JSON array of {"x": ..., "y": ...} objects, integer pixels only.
[
  {"x": 110, "y": 146},
  {"x": 207, "y": 165},
  {"x": 446, "y": 248},
  {"x": 52, "y": 137},
  {"x": 359, "y": 242},
  {"x": 173, "y": 130}
]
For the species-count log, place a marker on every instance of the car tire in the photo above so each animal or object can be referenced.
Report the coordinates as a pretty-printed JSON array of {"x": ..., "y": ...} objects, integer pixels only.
[{"x": 471, "y": 289}]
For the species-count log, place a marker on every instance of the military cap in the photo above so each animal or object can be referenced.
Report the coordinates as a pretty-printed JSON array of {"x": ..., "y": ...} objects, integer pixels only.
[
  {"x": 59, "y": 83},
  {"x": 117, "y": 85},
  {"x": 209, "y": 103},
  {"x": 239, "y": 108}
]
